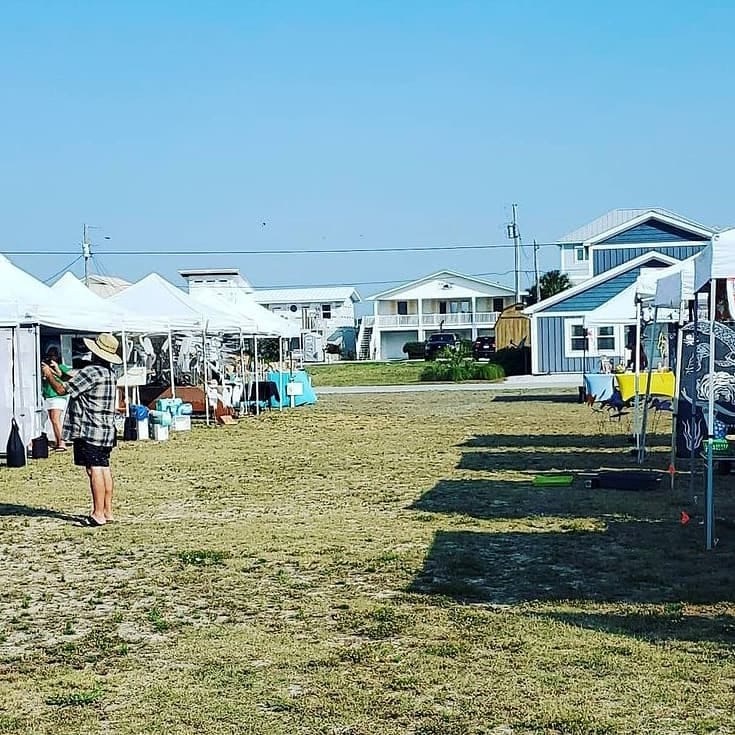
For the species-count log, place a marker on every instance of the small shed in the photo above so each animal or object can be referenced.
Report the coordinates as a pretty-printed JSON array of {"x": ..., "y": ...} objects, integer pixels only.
[{"x": 512, "y": 327}]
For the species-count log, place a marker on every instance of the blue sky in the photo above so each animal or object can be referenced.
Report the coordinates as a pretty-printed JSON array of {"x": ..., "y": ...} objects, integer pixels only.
[{"x": 180, "y": 127}]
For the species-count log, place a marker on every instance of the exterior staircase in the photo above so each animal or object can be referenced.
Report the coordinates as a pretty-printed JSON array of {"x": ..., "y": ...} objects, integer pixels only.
[{"x": 366, "y": 335}]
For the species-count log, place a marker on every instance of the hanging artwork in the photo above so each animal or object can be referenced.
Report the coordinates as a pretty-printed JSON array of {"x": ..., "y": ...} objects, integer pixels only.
[{"x": 697, "y": 384}]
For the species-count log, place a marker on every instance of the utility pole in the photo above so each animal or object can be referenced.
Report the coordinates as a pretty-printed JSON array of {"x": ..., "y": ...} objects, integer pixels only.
[
  {"x": 86, "y": 253},
  {"x": 535, "y": 271},
  {"x": 515, "y": 235}
]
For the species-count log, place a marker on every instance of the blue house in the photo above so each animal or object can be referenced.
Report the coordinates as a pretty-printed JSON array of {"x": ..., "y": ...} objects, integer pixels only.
[{"x": 603, "y": 260}]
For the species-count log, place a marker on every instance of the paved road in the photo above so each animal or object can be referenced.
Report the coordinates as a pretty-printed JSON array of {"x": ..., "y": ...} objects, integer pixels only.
[{"x": 515, "y": 383}]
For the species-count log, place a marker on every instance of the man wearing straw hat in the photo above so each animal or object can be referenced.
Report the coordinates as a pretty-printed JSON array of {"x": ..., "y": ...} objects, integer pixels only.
[{"x": 90, "y": 421}]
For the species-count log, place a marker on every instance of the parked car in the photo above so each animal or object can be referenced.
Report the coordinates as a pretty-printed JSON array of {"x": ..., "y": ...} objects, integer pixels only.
[
  {"x": 483, "y": 348},
  {"x": 435, "y": 343}
]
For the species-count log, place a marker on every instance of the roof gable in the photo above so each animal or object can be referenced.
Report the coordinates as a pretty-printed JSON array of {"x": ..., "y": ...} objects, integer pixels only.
[
  {"x": 446, "y": 280},
  {"x": 621, "y": 220},
  {"x": 630, "y": 270},
  {"x": 653, "y": 230}
]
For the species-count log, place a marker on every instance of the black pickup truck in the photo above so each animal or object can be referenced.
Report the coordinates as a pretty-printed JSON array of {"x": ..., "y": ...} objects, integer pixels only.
[{"x": 435, "y": 343}]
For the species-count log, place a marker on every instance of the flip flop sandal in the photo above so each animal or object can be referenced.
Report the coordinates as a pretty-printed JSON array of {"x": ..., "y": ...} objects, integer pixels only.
[
  {"x": 60, "y": 449},
  {"x": 90, "y": 522}
]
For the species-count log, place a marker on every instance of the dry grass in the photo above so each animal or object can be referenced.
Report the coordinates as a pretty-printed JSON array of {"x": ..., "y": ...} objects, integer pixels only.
[{"x": 374, "y": 564}]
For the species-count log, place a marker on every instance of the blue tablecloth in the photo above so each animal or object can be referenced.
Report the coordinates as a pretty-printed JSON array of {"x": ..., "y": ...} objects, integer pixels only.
[
  {"x": 600, "y": 385},
  {"x": 282, "y": 379}
]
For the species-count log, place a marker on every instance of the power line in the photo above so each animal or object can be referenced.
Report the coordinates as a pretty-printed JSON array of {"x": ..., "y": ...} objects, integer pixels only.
[
  {"x": 64, "y": 269},
  {"x": 317, "y": 251},
  {"x": 370, "y": 283}
]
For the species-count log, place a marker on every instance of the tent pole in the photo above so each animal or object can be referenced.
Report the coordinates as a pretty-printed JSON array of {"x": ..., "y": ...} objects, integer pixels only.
[
  {"x": 675, "y": 402},
  {"x": 642, "y": 446},
  {"x": 709, "y": 517},
  {"x": 171, "y": 360},
  {"x": 204, "y": 374},
  {"x": 242, "y": 372},
  {"x": 280, "y": 373},
  {"x": 257, "y": 375},
  {"x": 693, "y": 449},
  {"x": 125, "y": 369},
  {"x": 637, "y": 379}
]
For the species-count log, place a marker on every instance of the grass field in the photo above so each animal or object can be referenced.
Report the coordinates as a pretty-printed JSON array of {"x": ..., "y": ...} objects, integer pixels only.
[
  {"x": 375, "y": 564},
  {"x": 340, "y": 374}
]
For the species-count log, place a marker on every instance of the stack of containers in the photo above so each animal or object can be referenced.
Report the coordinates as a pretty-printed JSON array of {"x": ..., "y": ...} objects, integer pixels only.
[
  {"x": 140, "y": 414},
  {"x": 179, "y": 412},
  {"x": 160, "y": 423}
]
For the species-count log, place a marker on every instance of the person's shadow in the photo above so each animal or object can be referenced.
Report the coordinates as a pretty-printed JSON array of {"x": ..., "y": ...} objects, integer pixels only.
[{"x": 28, "y": 511}]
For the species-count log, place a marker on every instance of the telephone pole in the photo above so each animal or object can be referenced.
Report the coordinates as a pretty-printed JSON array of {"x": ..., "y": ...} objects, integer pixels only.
[
  {"x": 515, "y": 235},
  {"x": 86, "y": 253},
  {"x": 535, "y": 271}
]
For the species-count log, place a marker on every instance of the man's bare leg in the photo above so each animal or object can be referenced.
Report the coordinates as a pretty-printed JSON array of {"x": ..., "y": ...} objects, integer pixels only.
[
  {"x": 54, "y": 415},
  {"x": 97, "y": 486},
  {"x": 109, "y": 485}
]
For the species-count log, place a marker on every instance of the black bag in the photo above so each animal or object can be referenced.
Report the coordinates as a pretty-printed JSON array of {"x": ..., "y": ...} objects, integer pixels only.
[
  {"x": 130, "y": 432},
  {"x": 39, "y": 447},
  {"x": 16, "y": 451}
]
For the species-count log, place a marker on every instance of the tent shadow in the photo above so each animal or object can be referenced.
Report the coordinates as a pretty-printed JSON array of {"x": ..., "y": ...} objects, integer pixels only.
[
  {"x": 571, "y": 460},
  {"x": 28, "y": 511},
  {"x": 504, "y": 499},
  {"x": 628, "y": 561},
  {"x": 665, "y": 624},
  {"x": 555, "y": 441},
  {"x": 568, "y": 397}
]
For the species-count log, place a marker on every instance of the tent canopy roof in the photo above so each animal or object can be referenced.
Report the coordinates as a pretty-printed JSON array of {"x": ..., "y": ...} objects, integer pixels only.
[{"x": 155, "y": 297}]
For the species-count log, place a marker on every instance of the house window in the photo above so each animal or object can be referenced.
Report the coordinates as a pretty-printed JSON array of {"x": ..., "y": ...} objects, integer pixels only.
[
  {"x": 326, "y": 311},
  {"x": 582, "y": 254},
  {"x": 498, "y": 304},
  {"x": 605, "y": 339},
  {"x": 402, "y": 308},
  {"x": 579, "y": 341}
]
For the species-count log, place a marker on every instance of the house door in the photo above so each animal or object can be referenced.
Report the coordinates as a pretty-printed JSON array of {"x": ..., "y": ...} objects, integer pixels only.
[{"x": 442, "y": 307}]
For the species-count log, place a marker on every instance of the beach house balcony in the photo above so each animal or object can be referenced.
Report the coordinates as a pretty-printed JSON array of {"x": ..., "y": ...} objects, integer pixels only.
[{"x": 444, "y": 301}]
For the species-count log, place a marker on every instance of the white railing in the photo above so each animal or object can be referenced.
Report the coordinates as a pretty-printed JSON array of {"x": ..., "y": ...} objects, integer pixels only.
[
  {"x": 397, "y": 320},
  {"x": 368, "y": 321},
  {"x": 486, "y": 318},
  {"x": 454, "y": 320}
]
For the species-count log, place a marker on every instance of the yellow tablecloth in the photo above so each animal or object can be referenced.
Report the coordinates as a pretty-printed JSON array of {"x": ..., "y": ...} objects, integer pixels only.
[{"x": 662, "y": 384}]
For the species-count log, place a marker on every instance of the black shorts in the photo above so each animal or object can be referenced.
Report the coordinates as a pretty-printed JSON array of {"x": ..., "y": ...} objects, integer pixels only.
[{"x": 90, "y": 455}]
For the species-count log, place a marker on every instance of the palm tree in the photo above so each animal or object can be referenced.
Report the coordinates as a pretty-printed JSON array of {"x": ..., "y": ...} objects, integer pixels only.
[{"x": 550, "y": 283}]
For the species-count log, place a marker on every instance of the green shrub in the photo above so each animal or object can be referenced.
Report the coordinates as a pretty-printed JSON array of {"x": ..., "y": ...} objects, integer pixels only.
[
  {"x": 414, "y": 350},
  {"x": 487, "y": 371},
  {"x": 454, "y": 367},
  {"x": 514, "y": 360}
]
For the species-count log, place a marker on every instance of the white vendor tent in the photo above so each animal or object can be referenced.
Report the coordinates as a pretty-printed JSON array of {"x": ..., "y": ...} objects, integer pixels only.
[
  {"x": 72, "y": 294},
  {"x": 257, "y": 320},
  {"x": 155, "y": 297}
]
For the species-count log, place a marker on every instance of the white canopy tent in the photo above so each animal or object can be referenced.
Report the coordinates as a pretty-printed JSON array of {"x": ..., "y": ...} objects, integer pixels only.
[
  {"x": 154, "y": 297},
  {"x": 241, "y": 302},
  {"x": 71, "y": 292}
]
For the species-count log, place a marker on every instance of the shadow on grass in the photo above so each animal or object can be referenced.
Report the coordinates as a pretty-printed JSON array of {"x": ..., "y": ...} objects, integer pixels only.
[
  {"x": 543, "y": 398},
  {"x": 667, "y": 623},
  {"x": 557, "y": 441},
  {"x": 636, "y": 562},
  {"x": 29, "y": 511},
  {"x": 573, "y": 460},
  {"x": 499, "y": 499}
]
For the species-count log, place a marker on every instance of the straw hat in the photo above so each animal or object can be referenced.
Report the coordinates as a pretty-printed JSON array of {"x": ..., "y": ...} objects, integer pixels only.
[{"x": 105, "y": 346}]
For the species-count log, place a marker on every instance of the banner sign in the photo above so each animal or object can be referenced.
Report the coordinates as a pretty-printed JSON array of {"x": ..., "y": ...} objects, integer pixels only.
[{"x": 696, "y": 385}]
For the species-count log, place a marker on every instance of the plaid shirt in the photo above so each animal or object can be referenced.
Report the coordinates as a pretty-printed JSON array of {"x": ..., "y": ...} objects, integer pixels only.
[{"x": 91, "y": 412}]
